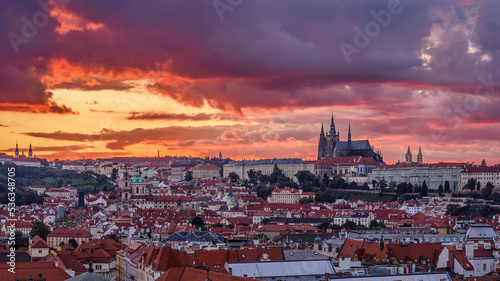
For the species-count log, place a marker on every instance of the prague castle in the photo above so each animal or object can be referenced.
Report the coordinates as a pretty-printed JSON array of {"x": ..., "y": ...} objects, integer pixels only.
[{"x": 330, "y": 145}]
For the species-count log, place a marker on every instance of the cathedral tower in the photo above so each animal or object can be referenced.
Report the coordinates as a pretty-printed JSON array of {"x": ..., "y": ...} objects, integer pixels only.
[
  {"x": 420, "y": 156},
  {"x": 30, "y": 152},
  {"x": 17, "y": 150},
  {"x": 331, "y": 139},
  {"x": 322, "y": 144},
  {"x": 409, "y": 157}
]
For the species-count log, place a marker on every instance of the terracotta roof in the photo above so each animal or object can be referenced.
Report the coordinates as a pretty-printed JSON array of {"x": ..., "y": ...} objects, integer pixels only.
[
  {"x": 193, "y": 274},
  {"x": 26, "y": 269}
]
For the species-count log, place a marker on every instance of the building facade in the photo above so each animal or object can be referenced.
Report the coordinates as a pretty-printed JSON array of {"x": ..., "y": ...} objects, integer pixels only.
[
  {"x": 433, "y": 174},
  {"x": 290, "y": 167}
]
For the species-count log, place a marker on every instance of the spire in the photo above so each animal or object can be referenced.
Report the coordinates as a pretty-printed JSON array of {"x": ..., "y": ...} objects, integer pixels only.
[
  {"x": 322, "y": 131},
  {"x": 90, "y": 267},
  {"x": 332, "y": 127},
  {"x": 30, "y": 152},
  {"x": 408, "y": 152},
  {"x": 17, "y": 150},
  {"x": 349, "y": 136},
  {"x": 420, "y": 156}
]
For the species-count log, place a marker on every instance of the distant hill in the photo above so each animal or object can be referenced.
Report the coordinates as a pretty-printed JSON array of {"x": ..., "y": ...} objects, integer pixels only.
[{"x": 26, "y": 176}]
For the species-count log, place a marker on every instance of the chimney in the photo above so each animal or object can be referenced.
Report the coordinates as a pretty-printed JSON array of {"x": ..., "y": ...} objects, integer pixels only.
[
  {"x": 469, "y": 250},
  {"x": 327, "y": 276}
]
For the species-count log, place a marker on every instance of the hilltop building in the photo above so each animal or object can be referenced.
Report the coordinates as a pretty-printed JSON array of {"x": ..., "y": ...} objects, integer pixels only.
[{"x": 330, "y": 145}]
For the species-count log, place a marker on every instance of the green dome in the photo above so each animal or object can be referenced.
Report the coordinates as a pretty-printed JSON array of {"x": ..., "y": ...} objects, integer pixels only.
[
  {"x": 187, "y": 204},
  {"x": 137, "y": 179}
]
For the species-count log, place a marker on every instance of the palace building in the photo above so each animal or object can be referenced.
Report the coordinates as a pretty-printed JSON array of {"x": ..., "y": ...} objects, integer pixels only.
[{"x": 331, "y": 146}]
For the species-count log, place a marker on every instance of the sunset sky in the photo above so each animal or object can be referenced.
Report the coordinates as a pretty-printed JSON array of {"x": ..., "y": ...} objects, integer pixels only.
[{"x": 250, "y": 78}]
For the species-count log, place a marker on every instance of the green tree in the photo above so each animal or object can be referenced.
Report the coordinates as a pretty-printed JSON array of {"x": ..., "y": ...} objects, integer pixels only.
[
  {"x": 198, "y": 222},
  {"x": 305, "y": 179},
  {"x": 349, "y": 225},
  {"x": 233, "y": 176},
  {"x": 324, "y": 225},
  {"x": 440, "y": 190},
  {"x": 478, "y": 185},
  {"x": 373, "y": 224},
  {"x": 470, "y": 185},
  {"x": 19, "y": 240},
  {"x": 114, "y": 173},
  {"x": 424, "y": 189},
  {"x": 306, "y": 200},
  {"x": 41, "y": 229},
  {"x": 73, "y": 243},
  {"x": 61, "y": 244},
  {"x": 447, "y": 186},
  {"x": 486, "y": 192},
  {"x": 189, "y": 176},
  {"x": 266, "y": 220},
  {"x": 252, "y": 175}
]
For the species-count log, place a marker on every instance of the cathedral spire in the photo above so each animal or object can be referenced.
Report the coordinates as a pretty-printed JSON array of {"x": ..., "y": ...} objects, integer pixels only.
[
  {"x": 17, "y": 150},
  {"x": 332, "y": 127},
  {"x": 409, "y": 157},
  {"x": 349, "y": 136},
  {"x": 322, "y": 131},
  {"x": 420, "y": 156},
  {"x": 30, "y": 152}
]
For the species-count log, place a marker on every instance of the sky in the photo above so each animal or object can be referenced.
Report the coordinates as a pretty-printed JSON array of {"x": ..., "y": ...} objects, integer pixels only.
[{"x": 253, "y": 79}]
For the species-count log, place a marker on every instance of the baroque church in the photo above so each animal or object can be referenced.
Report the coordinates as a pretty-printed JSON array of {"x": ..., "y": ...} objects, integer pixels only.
[{"x": 330, "y": 145}]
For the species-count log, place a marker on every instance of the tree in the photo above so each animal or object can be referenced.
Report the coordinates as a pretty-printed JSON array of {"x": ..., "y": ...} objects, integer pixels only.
[
  {"x": 306, "y": 179},
  {"x": 470, "y": 185},
  {"x": 61, "y": 244},
  {"x": 40, "y": 229},
  {"x": 189, "y": 176},
  {"x": 424, "y": 189},
  {"x": 198, "y": 222},
  {"x": 114, "y": 173},
  {"x": 373, "y": 224},
  {"x": 349, "y": 225},
  {"x": 486, "y": 192},
  {"x": 266, "y": 220},
  {"x": 233, "y": 176},
  {"x": 19, "y": 240},
  {"x": 478, "y": 185},
  {"x": 324, "y": 225},
  {"x": 306, "y": 200},
  {"x": 446, "y": 186},
  {"x": 252, "y": 176},
  {"x": 73, "y": 243},
  {"x": 440, "y": 190}
]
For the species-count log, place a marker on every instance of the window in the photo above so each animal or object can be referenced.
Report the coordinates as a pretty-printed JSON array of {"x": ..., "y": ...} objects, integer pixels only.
[
  {"x": 484, "y": 267},
  {"x": 98, "y": 267},
  {"x": 39, "y": 251}
]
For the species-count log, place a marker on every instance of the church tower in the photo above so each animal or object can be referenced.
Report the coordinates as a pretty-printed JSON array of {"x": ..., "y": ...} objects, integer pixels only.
[
  {"x": 349, "y": 136},
  {"x": 322, "y": 144},
  {"x": 420, "y": 156},
  {"x": 409, "y": 157},
  {"x": 81, "y": 209},
  {"x": 17, "y": 151},
  {"x": 331, "y": 140},
  {"x": 30, "y": 152},
  {"x": 126, "y": 190}
]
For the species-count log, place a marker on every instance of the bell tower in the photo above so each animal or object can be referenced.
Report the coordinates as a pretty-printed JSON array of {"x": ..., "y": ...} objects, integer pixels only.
[{"x": 409, "y": 156}]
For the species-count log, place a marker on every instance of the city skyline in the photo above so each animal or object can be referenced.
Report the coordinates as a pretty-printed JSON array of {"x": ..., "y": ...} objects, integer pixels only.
[{"x": 253, "y": 80}]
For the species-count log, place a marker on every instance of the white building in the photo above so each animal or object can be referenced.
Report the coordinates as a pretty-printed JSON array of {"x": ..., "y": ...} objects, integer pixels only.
[{"x": 433, "y": 174}]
